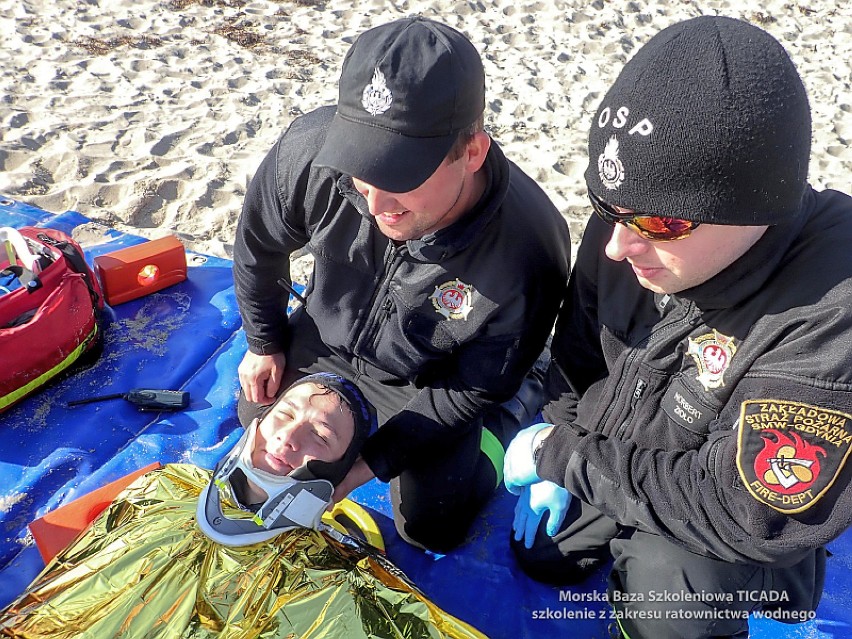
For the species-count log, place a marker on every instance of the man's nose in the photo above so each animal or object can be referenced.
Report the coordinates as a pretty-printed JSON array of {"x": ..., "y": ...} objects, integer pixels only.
[
  {"x": 379, "y": 201},
  {"x": 624, "y": 243}
]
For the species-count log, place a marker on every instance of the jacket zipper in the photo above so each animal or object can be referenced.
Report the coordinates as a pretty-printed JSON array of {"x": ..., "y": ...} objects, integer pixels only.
[
  {"x": 641, "y": 384},
  {"x": 382, "y": 317},
  {"x": 638, "y": 391},
  {"x": 379, "y": 312}
]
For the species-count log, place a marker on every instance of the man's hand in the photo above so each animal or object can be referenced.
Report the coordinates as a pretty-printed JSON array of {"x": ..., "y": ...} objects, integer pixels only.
[
  {"x": 260, "y": 376},
  {"x": 519, "y": 463},
  {"x": 535, "y": 499},
  {"x": 358, "y": 475}
]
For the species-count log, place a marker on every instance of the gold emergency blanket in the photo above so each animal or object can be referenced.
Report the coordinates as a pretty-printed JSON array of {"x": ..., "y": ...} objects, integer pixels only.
[{"x": 145, "y": 570}]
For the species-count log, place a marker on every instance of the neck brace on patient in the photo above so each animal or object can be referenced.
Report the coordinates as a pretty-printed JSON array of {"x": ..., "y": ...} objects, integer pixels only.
[{"x": 291, "y": 503}]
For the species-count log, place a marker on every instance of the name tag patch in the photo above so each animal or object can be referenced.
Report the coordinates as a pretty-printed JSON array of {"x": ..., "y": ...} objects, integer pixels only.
[{"x": 684, "y": 408}]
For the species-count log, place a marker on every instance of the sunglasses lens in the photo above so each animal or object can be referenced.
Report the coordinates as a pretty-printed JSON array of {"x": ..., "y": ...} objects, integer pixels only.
[
  {"x": 651, "y": 227},
  {"x": 662, "y": 228}
]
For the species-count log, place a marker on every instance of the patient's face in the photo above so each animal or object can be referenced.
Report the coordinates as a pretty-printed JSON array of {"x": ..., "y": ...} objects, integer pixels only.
[{"x": 308, "y": 422}]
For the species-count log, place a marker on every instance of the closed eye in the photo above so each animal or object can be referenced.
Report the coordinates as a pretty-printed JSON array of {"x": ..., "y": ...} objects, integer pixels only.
[{"x": 323, "y": 433}]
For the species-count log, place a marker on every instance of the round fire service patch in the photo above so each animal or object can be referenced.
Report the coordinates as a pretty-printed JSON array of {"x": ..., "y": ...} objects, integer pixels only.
[{"x": 789, "y": 454}]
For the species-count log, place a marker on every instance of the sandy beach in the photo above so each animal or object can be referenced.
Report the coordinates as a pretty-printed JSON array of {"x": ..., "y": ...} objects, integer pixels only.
[{"x": 151, "y": 116}]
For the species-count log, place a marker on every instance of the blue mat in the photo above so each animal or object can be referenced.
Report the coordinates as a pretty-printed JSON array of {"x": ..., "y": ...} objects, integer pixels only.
[{"x": 188, "y": 337}]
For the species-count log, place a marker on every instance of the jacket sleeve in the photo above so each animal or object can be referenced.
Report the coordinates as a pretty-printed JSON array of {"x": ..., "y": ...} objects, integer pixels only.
[
  {"x": 267, "y": 234},
  {"x": 578, "y": 361},
  {"x": 711, "y": 500}
]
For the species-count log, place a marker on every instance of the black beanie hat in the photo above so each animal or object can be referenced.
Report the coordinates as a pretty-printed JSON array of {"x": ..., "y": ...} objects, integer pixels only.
[
  {"x": 708, "y": 122},
  {"x": 362, "y": 414}
]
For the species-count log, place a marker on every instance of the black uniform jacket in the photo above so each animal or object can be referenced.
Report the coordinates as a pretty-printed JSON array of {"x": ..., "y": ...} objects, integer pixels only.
[
  {"x": 720, "y": 417},
  {"x": 462, "y": 313}
]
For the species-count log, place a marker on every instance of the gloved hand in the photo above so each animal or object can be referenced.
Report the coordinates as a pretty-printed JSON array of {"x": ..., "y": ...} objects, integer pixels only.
[
  {"x": 518, "y": 464},
  {"x": 535, "y": 499}
]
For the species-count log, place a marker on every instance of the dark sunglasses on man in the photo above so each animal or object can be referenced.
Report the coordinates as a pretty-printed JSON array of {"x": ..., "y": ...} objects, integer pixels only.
[{"x": 655, "y": 228}]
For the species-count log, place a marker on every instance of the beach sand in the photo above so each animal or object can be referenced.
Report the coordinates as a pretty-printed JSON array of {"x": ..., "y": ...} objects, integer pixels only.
[{"x": 151, "y": 117}]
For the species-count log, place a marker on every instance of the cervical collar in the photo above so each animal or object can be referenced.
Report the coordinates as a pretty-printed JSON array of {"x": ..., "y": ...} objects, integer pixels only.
[{"x": 291, "y": 503}]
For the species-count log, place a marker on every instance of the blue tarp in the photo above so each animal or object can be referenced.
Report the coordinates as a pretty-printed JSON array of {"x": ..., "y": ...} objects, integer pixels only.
[{"x": 188, "y": 337}]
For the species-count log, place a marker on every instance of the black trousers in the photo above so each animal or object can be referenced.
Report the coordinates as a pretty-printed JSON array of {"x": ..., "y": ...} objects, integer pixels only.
[
  {"x": 659, "y": 590},
  {"x": 436, "y": 500}
]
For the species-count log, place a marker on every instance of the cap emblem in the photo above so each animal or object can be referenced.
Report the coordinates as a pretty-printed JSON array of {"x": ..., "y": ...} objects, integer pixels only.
[
  {"x": 610, "y": 167},
  {"x": 377, "y": 98}
]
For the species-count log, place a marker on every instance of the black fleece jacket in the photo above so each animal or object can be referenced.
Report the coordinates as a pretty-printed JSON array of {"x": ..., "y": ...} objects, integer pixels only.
[{"x": 718, "y": 417}]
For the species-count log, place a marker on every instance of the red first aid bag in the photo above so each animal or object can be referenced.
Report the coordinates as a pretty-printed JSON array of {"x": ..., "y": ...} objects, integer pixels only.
[{"x": 49, "y": 310}]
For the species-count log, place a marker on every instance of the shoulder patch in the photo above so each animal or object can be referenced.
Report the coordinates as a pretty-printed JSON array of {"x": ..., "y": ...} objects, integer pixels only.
[{"x": 789, "y": 454}]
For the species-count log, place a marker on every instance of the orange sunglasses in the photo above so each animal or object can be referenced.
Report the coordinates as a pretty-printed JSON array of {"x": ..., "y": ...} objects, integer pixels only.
[{"x": 655, "y": 228}]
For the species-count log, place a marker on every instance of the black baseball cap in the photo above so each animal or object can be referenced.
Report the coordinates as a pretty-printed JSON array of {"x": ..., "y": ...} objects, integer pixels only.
[{"x": 406, "y": 90}]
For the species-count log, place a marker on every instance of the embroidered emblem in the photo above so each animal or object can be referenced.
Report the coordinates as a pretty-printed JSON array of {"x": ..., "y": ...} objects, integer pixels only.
[
  {"x": 453, "y": 299},
  {"x": 610, "y": 168},
  {"x": 376, "y": 97},
  {"x": 712, "y": 354},
  {"x": 789, "y": 454}
]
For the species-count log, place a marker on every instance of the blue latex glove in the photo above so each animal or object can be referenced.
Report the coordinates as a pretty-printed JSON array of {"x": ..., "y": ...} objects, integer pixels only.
[
  {"x": 519, "y": 465},
  {"x": 535, "y": 500}
]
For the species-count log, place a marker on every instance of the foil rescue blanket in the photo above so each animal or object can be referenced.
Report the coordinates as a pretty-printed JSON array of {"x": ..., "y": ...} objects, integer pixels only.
[{"x": 145, "y": 570}]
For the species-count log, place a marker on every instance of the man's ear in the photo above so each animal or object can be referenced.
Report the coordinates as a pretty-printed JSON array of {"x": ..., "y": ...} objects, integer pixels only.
[{"x": 477, "y": 151}]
